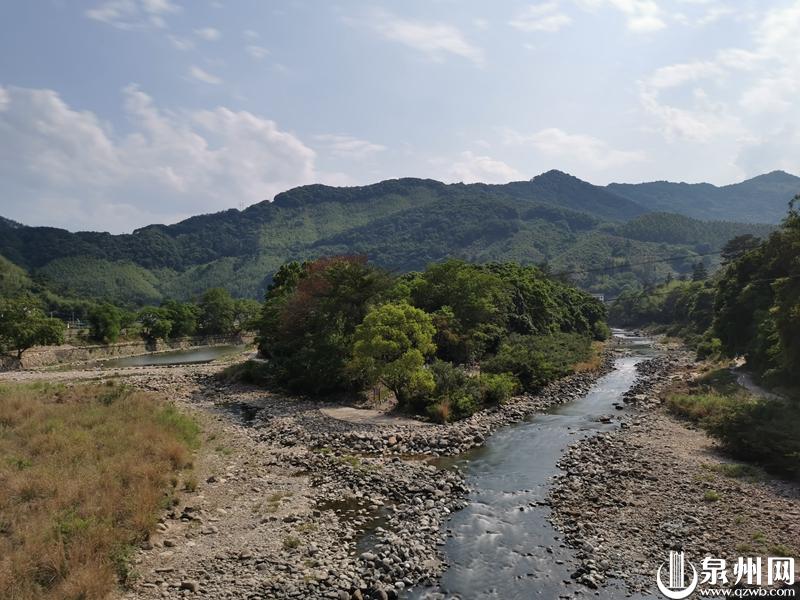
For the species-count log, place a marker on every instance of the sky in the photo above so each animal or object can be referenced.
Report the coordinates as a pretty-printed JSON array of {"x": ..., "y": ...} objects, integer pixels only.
[{"x": 115, "y": 114}]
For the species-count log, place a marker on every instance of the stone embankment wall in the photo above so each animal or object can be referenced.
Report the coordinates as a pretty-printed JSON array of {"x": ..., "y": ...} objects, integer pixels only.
[{"x": 45, "y": 356}]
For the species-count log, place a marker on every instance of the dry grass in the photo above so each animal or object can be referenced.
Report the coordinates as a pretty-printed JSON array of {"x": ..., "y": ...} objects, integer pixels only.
[
  {"x": 595, "y": 360},
  {"x": 84, "y": 472}
]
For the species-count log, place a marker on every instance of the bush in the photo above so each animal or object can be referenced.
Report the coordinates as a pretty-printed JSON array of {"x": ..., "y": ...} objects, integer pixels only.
[
  {"x": 498, "y": 388},
  {"x": 706, "y": 410},
  {"x": 759, "y": 430},
  {"x": 537, "y": 360},
  {"x": 456, "y": 395},
  {"x": 765, "y": 431}
]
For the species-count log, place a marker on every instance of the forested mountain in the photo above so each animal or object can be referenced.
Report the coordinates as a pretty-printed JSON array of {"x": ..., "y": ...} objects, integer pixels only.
[
  {"x": 402, "y": 224},
  {"x": 763, "y": 199}
]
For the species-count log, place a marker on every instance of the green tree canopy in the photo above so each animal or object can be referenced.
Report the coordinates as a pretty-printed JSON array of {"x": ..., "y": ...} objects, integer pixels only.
[
  {"x": 183, "y": 316},
  {"x": 23, "y": 325},
  {"x": 155, "y": 323},
  {"x": 105, "y": 323},
  {"x": 391, "y": 345},
  {"x": 217, "y": 312}
]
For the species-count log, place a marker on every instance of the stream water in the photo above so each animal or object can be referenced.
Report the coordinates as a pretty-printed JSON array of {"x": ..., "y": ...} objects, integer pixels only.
[
  {"x": 502, "y": 544},
  {"x": 174, "y": 357}
]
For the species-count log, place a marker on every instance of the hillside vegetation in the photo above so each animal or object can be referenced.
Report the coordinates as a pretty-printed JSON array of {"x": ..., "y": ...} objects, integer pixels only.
[
  {"x": 750, "y": 308},
  {"x": 555, "y": 219}
]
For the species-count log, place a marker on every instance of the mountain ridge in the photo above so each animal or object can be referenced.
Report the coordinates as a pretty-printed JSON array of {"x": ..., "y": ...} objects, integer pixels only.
[{"x": 402, "y": 224}]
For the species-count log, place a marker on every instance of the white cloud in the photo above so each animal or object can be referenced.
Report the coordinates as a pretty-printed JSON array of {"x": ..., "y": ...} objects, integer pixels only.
[
  {"x": 348, "y": 147},
  {"x": 473, "y": 168},
  {"x": 541, "y": 17},
  {"x": 680, "y": 74},
  {"x": 257, "y": 52},
  {"x": 642, "y": 16},
  {"x": 208, "y": 34},
  {"x": 435, "y": 40},
  {"x": 180, "y": 43},
  {"x": 133, "y": 14},
  {"x": 70, "y": 168},
  {"x": 199, "y": 74},
  {"x": 749, "y": 94},
  {"x": 584, "y": 150}
]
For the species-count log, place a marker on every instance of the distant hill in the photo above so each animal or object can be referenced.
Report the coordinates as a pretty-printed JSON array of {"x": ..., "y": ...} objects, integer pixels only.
[
  {"x": 555, "y": 219},
  {"x": 762, "y": 199}
]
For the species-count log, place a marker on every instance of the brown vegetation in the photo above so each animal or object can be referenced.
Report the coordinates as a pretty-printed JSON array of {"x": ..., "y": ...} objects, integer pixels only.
[{"x": 84, "y": 472}]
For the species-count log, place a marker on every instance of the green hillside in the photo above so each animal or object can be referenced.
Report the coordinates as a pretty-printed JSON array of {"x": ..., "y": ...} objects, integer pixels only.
[
  {"x": 762, "y": 199},
  {"x": 403, "y": 224}
]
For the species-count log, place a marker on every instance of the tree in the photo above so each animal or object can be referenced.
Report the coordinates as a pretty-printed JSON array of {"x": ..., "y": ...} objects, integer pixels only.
[
  {"x": 23, "y": 324},
  {"x": 105, "y": 323},
  {"x": 246, "y": 314},
  {"x": 699, "y": 272},
  {"x": 217, "y": 312},
  {"x": 183, "y": 317},
  {"x": 155, "y": 323},
  {"x": 307, "y": 325},
  {"x": 391, "y": 346},
  {"x": 738, "y": 246}
]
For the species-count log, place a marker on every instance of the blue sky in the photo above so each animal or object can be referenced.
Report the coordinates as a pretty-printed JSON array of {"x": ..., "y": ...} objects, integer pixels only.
[{"x": 119, "y": 113}]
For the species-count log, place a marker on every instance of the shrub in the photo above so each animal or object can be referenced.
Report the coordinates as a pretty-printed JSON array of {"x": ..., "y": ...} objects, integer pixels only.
[
  {"x": 537, "y": 360},
  {"x": 497, "y": 388},
  {"x": 457, "y": 394},
  {"x": 704, "y": 409},
  {"x": 765, "y": 431}
]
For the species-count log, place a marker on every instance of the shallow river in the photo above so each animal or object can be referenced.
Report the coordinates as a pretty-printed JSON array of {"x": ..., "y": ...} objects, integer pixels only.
[
  {"x": 501, "y": 546},
  {"x": 174, "y": 357}
]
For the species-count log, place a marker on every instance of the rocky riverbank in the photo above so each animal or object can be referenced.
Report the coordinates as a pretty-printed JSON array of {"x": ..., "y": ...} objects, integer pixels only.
[
  {"x": 628, "y": 497},
  {"x": 292, "y": 503}
]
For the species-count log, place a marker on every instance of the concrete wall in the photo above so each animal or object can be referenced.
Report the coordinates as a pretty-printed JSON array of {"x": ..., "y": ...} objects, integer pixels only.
[{"x": 45, "y": 356}]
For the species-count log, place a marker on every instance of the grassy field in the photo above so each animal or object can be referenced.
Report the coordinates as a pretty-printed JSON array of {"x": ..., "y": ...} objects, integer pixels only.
[{"x": 84, "y": 473}]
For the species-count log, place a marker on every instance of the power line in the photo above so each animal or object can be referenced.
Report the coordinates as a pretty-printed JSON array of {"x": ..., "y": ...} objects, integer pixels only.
[
  {"x": 644, "y": 293},
  {"x": 635, "y": 264}
]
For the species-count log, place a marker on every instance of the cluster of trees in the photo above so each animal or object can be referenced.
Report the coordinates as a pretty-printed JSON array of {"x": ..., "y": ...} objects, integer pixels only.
[
  {"x": 341, "y": 324},
  {"x": 216, "y": 313},
  {"x": 750, "y": 308},
  {"x": 27, "y": 309},
  {"x": 23, "y": 324}
]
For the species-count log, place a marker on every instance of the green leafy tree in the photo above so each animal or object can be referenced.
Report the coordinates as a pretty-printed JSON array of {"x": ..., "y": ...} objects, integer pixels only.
[
  {"x": 308, "y": 322},
  {"x": 183, "y": 316},
  {"x": 391, "y": 345},
  {"x": 246, "y": 314},
  {"x": 23, "y": 325},
  {"x": 105, "y": 323},
  {"x": 155, "y": 323},
  {"x": 217, "y": 312}
]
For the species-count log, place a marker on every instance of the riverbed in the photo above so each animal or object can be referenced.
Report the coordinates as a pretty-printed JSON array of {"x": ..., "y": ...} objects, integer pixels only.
[{"x": 502, "y": 544}]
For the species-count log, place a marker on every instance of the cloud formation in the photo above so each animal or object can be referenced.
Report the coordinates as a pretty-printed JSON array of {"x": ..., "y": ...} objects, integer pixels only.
[
  {"x": 348, "y": 147},
  {"x": 541, "y": 17},
  {"x": 474, "y": 168},
  {"x": 589, "y": 152},
  {"x": 74, "y": 168},
  {"x": 435, "y": 40},
  {"x": 133, "y": 14}
]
